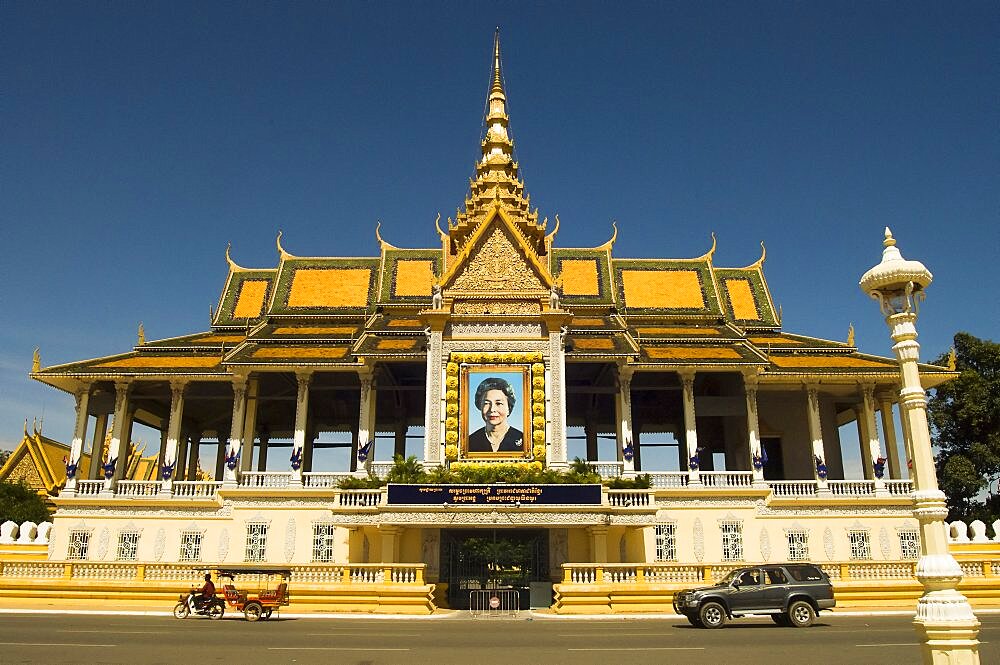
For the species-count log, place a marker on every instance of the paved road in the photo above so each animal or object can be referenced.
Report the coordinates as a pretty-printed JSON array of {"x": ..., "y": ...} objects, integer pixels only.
[{"x": 50, "y": 639}]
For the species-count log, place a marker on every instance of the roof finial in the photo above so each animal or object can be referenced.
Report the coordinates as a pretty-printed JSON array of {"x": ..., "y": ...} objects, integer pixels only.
[
  {"x": 850, "y": 335},
  {"x": 142, "y": 334},
  {"x": 36, "y": 360},
  {"x": 497, "y": 78}
]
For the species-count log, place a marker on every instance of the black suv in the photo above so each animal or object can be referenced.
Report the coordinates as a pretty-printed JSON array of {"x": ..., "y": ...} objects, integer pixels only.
[{"x": 792, "y": 594}]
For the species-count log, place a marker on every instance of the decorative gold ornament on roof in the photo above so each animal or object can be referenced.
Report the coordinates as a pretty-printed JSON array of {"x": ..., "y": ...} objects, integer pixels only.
[
  {"x": 36, "y": 365},
  {"x": 850, "y": 335},
  {"x": 497, "y": 181},
  {"x": 142, "y": 334},
  {"x": 952, "y": 360}
]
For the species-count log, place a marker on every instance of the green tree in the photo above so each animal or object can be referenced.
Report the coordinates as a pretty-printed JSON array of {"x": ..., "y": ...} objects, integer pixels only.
[
  {"x": 19, "y": 503},
  {"x": 965, "y": 424},
  {"x": 4, "y": 456}
]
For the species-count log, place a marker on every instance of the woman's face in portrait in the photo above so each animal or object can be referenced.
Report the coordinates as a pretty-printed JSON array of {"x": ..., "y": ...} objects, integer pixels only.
[{"x": 495, "y": 409}]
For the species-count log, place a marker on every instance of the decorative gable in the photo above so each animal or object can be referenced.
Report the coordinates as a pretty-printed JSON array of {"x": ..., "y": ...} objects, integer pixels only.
[{"x": 497, "y": 264}]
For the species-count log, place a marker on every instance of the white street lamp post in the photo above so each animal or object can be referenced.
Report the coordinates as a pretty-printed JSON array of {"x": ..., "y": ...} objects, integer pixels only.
[{"x": 944, "y": 617}]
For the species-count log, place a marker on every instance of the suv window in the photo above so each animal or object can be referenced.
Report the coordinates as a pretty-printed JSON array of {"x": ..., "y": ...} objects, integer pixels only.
[
  {"x": 749, "y": 578},
  {"x": 775, "y": 576},
  {"x": 806, "y": 573}
]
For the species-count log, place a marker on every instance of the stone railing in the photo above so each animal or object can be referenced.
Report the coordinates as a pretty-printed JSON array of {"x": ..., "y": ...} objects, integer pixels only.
[
  {"x": 608, "y": 469},
  {"x": 852, "y": 487},
  {"x": 668, "y": 479},
  {"x": 268, "y": 479},
  {"x": 960, "y": 532},
  {"x": 630, "y": 498},
  {"x": 89, "y": 487},
  {"x": 196, "y": 488},
  {"x": 138, "y": 487},
  {"x": 26, "y": 533},
  {"x": 727, "y": 479},
  {"x": 190, "y": 574},
  {"x": 324, "y": 479},
  {"x": 783, "y": 488},
  {"x": 899, "y": 487},
  {"x": 361, "y": 498}
]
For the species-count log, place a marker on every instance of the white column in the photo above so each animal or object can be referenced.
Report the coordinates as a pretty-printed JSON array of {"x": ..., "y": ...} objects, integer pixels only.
[
  {"x": 691, "y": 429},
  {"x": 301, "y": 421},
  {"x": 555, "y": 391},
  {"x": 756, "y": 448},
  {"x": 79, "y": 434},
  {"x": 366, "y": 420},
  {"x": 97, "y": 446},
  {"x": 623, "y": 414},
  {"x": 119, "y": 431},
  {"x": 249, "y": 425},
  {"x": 167, "y": 473},
  {"x": 871, "y": 446},
  {"x": 889, "y": 432},
  {"x": 235, "y": 445},
  {"x": 435, "y": 396},
  {"x": 816, "y": 435},
  {"x": 944, "y": 615}
]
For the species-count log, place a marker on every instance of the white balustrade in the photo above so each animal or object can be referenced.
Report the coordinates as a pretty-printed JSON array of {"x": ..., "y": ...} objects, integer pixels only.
[
  {"x": 608, "y": 469},
  {"x": 726, "y": 478},
  {"x": 27, "y": 533},
  {"x": 104, "y": 571},
  {"x": 899, "y": 487},
  {"x": 366, "y": 575},
  {"x": 381, "y": 469},
  {"x": 361, "y": 498},
  {"x": 852, "y": 487},
  {"x": 266, "y": 479},
  {"x": 978, "y": 531},
  {"x": 785, "y": 488},
  {"x": 971, "y": 568},
  {"x": 196, "y": 488},
  {"x": 668, "y": 479},
  {"x": 33, "y": 569},
  {"x": 324, "y": 479},
  {"x": 89, "y": 487},
  {"x": 664, "y": 574},
  {"x": 8, "y": 532},
  {"x": 138, "y": 488},
  {"x": 629, "y": 498},
  {"x": 881, "y": 571}
]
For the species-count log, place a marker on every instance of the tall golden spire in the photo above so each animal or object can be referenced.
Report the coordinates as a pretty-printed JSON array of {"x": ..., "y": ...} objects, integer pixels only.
[{"x": 497, "y": 180}]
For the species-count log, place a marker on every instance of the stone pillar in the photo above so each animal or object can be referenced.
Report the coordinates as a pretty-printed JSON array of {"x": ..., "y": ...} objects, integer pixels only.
[
  {"x": 249, "y": 425},
  {"x": 390, "y": 543},
  {"x": 265, "y": 438},
  {"x": 433, "y": 440},
  {"x": 180, "y": 471},
  {"x": 690, "y": 429},
  {"x": 599, "y": 542},
  {"x": 301, "y": 422},
  {"x": 120, "y": 429},
  {"x": 944, "y": 616},
  {"x": 234, "y": 448},
  {"x": 97, "y": 446},
  {"x": 627, "y": 443},
  {"x": 756, "y": 448},
  {"x": 194, "y": 456},
  {"x": 79, "y": 434},
  {"x": 168, "y": 471},
  {"x": 555, "y": 389},
  {"x": 871, "y": 450},
  {"x": 366, "y": 419},
  {"x": 816, "y": 435},
  {"x": 889, "y": 432}
]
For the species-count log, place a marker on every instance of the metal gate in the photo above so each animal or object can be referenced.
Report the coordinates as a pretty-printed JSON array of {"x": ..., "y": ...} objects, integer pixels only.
[{"x": 474, "y": 561}]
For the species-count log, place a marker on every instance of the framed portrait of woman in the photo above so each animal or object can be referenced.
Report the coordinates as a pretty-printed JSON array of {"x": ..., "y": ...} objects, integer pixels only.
[{"x": 495, "y": 419}]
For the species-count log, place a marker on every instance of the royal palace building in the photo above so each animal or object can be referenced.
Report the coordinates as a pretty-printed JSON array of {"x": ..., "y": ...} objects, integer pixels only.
[{"x": 322, "y": 369}]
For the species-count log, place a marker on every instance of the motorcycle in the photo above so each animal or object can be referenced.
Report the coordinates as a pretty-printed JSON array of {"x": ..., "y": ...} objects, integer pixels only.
[{"x": 187, "y": 605}]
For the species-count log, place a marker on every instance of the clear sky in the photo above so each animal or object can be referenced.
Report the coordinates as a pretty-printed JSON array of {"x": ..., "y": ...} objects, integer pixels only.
[{"x": 138, "y": 139}]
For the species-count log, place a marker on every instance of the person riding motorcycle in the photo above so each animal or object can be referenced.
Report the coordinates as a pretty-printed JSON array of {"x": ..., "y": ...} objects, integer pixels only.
[{"x": 206, "y": 593}]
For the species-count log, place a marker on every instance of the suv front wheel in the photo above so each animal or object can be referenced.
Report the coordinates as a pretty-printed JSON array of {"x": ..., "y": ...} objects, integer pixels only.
[
  {"x": 712, "y": 615},
  {"x": 801, "y": 614}
]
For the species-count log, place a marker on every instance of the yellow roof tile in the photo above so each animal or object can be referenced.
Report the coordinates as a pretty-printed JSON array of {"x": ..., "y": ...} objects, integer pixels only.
[
  {"x": 741, "y": 298},
  {"x": 591, "y": 344},
  {"x": 579, "y": 277},
  {"x": 677, "y": 331},
  {"x": 414, "y": 278},
  {"x": 827, "y": 361},
  {"x": 250, "y": 302},
  {"x": 666, "y": 289},
  {"x": 396, "y": 344},
  {"x": 330, "y": 287},
  {"x": 314, "y": 330},
  {"x": 159, "y": 360},
  {"x": 694, "y": 352},
  {"x": 305, "y": 352}
]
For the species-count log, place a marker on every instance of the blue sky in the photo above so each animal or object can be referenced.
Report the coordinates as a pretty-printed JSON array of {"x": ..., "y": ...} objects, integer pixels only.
[{"x": 138, "y": 139}]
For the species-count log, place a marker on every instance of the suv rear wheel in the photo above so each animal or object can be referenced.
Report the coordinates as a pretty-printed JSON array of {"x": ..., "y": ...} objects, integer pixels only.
[
  {"x": 801, "y": 614},
  {"x": 712, "y": 615}
]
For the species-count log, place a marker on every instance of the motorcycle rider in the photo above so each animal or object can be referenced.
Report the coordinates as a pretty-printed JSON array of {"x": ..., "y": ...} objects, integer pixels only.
[{"x": 206, "y": 593}]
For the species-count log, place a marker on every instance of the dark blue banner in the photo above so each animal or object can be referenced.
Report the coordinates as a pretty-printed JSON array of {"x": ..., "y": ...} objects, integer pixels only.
[{"x": 499, "y": 494}]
